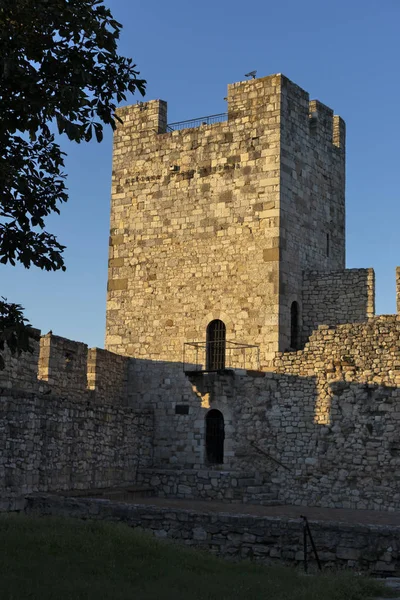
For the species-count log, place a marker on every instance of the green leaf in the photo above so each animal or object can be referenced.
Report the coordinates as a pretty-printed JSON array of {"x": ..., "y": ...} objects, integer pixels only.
[
  {"x": 60, "y": 66},
  {"x": 98, "y": 131}
]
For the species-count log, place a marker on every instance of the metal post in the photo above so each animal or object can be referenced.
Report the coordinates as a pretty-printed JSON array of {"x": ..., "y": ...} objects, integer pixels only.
[
  {"x": 307, "y": 531},
  {"x": 313, "y": 546}
]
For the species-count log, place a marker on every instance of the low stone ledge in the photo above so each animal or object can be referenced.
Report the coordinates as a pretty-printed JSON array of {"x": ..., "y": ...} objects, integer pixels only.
[
  {"x": 266, "y": 539},
  {"x": 11, "y": 504}
]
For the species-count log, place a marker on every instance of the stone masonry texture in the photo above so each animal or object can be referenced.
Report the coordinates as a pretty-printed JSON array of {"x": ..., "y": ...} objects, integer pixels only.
[
  {"x": 398, "y": 290},
  {"x": 336, "y": 297},
  {"x": 233, "y": 221},
  {"x": 268, "y": 540},
  {"x": 220, "y": 221},
  {"x": 58, "y": 431},
  {"x": 318, "y": 428},
  {"x": 52, "y": 444}
]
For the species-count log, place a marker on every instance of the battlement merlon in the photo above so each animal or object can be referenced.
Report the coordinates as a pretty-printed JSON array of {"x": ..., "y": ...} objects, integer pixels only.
[
  {"x": 143, "y": 118},
  {"x": 398, "y": 290},
  {"x": 274, "y": 96}
]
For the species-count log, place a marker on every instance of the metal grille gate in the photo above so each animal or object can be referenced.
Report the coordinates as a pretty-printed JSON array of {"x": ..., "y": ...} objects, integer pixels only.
[
  {"x": 215, "y": 435},
  {"x": 216, "y": 343}
]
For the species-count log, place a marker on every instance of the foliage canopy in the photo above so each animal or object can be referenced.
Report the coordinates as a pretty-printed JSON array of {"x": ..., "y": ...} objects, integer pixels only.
[{"x": 59, "y": 72}]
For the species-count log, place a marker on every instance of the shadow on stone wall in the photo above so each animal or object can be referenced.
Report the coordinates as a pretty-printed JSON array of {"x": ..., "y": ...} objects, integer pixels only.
[
  {"x": 70, "y": 369},
  {"x": 316, "y": 442},
  {"x": 325, "y": 435}
]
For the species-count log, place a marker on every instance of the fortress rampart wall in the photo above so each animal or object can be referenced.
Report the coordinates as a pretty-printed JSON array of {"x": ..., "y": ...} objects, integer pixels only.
[{"x": 336, "y": 297}]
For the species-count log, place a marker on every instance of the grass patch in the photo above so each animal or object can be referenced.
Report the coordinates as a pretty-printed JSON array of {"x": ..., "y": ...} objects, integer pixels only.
[{"x": 60, "y": 559}]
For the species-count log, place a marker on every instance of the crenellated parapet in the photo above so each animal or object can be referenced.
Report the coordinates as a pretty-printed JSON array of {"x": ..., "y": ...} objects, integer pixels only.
[
  {"x": 69, "y": 369},
  {"x": 218, "y": 217},
  {"x": 325, "y": 125}
]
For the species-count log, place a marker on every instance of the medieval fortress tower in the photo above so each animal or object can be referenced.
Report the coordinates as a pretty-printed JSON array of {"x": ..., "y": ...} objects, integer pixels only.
[
  {"x": 220, "y": 222},
  {"x": 243, "y": 361}
]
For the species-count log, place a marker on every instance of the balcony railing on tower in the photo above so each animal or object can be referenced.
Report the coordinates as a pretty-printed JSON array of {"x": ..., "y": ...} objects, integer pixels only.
[
  {"x": 197, "y": 122},
  {"x": 205, "y": 357}
]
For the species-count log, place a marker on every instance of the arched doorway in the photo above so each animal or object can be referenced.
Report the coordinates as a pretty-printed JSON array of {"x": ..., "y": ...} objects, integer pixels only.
[
  {"x": 215, "y": 435},
  {"x": 294, "y": 326},
  {"x": 215, "y": 345}
]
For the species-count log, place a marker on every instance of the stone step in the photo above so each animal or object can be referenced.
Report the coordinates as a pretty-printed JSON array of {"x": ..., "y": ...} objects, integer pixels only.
[
  {"x": 393, "y": 583},
  {"x": 131, "y": 491},
  {"x": 263, "y": 499},
  {"x": 130, "y": 494}
]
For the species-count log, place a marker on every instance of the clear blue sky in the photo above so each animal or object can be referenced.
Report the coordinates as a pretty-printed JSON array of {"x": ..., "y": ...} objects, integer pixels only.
[{"x": 344, "y": 53}]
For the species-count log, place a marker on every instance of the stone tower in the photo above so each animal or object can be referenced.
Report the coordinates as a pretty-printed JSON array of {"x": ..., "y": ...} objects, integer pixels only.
[{"x": 219, "y": 222}]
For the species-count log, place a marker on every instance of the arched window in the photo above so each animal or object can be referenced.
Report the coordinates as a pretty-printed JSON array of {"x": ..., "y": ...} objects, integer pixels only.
[
  {"x": 294, "y": 326},
  {"x": 215, "y": 345},
  {"x": 215, "y": 435}
]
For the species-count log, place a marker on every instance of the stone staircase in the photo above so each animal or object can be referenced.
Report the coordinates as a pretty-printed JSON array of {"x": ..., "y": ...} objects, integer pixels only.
[{"x": 129, "y": 493}]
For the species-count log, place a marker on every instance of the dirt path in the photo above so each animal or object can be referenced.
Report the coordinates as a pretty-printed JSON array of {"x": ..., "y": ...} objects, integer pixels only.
[{"x": 364, "y": 517}]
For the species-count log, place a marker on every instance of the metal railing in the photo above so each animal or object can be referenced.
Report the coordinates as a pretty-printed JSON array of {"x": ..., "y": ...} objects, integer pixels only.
[
  {"x": 264, "y": 453},
  {"x": 197, "y": 355},
  {"x": 197, "y": 122},
  {"x": 307, "y": 533}
]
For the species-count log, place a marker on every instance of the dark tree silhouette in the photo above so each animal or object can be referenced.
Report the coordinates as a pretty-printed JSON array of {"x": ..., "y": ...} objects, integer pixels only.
[{"x": 59, "y": 71}]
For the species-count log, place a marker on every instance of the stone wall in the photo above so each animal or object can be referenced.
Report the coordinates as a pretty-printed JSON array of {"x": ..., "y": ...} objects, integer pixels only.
[
  {"x": 365, "y": 353},
  {"x": 336, "y": 297},
  {"x": 320, "y": 430},
  {"x": 108, "y": 376},
  {"x": 51, "y": 444},
  {"x": 178, "y": 437},
  {"x": 63, "y": 365},
  {"x": 205, "y": 220},
  {"x": 65, "y": 422},
  {"x": 268, "y": 540},
  {"x": 66, "y": 368},
  {"x": 340, "y": 403},
  {"x": 398, "y": 290},
  {"x": 312, "y": 195},
  {"x": 22, "y": 371},
  {"x": 220, "y": 485}
]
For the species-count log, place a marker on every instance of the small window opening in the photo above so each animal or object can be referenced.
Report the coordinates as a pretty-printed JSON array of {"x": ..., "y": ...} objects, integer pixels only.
[
  {"x": 181, "y": 409},
  {"x": 327, "y": 245},
  {"x": 294, "y": 326},
  {"x": 215, "y": 435},
  {"x": 215, "y": 345},
  {"x": 69, "y": 357}
]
